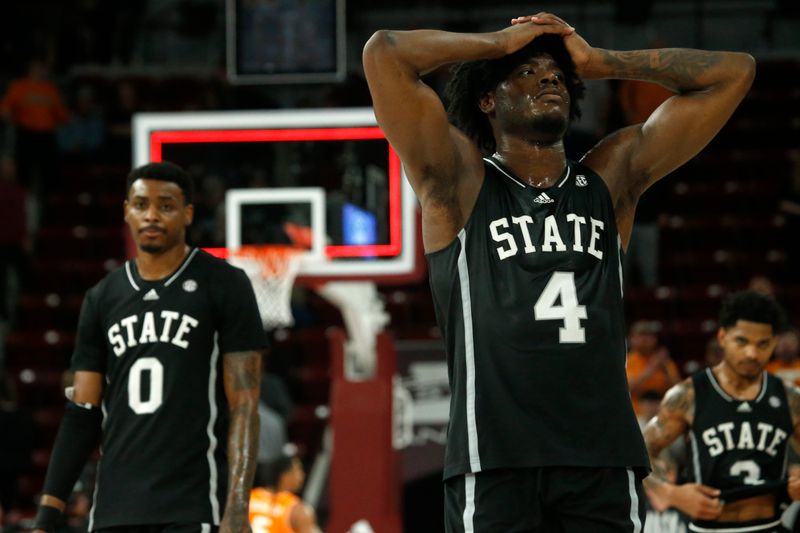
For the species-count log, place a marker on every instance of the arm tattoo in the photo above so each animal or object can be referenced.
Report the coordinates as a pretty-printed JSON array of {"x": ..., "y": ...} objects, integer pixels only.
[
  {"x": 241, "y": 375},
  {"x": 679, "y": 69},
  {"x": 672, "y": 421}
]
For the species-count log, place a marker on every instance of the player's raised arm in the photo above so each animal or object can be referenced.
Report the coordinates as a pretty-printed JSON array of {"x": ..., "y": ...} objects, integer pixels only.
[
  {"x": 77, "y": 437},
  {"x": 672, "y": 421},
  {"x": 411, "y": 114},
  {"x": 709, "y": 86},
  {"x": 241, "y": 376}
]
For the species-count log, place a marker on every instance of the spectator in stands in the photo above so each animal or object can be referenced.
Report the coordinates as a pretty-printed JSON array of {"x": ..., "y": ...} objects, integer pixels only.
[
  {"x": 274, "y": 507},
  {"x": 785, "y": 362},
  {"x": 650, "y": 367},
  {"x": 15, "y": 237},
  {"x": 119, "y": 119},
  {"x": 762, "y": 285},
  {"x": 35, "y": 107},
  {"x": 649, "y": 401},
  {"x": 84, "y": 133},
  {"x": 16, "y": 443}
]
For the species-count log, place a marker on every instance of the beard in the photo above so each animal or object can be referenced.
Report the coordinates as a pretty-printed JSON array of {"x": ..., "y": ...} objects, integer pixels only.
[
  {"x": 152, "y": 248},
  {"x": 550, "y": 126}
]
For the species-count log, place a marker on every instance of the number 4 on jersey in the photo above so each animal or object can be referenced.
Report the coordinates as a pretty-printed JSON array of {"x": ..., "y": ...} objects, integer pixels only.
[{"x": 562, "y": 286}]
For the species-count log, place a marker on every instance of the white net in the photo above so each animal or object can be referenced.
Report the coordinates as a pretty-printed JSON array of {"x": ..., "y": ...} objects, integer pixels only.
[{"x": 272, "y": 270}]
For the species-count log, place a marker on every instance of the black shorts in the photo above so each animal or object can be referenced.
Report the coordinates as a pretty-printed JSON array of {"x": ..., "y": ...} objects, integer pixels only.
[
  {"x": 771, "y": 525},
  {"x": 192, "y": 527},
  {"x": 545, "y": 500}
]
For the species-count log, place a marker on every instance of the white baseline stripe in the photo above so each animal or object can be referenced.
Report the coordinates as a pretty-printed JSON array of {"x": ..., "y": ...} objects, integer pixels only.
[
  {"x": 469, "y": 354},
  {"x": 637, "y": 522},
  {"x": 469, "y": 505},
  {"x": 760, "y": 527},
  {"x": 212, "y": 439},
  {"x": 130, "y": 276}
]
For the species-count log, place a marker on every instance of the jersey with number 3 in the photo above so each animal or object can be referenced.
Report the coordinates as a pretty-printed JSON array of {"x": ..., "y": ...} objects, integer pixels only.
[
  {"x": 735, "y": 442},
  {"x": 529, "y": 301},
  {"x": 159, "y": 345}
]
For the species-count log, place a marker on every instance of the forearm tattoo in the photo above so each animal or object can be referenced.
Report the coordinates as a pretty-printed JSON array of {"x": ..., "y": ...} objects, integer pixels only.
[
  {"x": 677, "y": 68},
  {"x": 242, "y": 373}
]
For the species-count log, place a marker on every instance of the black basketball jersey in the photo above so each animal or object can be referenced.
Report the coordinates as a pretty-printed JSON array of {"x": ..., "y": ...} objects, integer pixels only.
[
  {"x": 160, "y": 345},
  {"x": 529, "y": 301},
  {"x": 735, "y": 442}
]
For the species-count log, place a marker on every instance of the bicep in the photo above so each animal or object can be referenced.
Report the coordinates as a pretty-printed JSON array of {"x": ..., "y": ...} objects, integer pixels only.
[
  {"x": 409, "y": 112},
  {"x": 679, "y": 129}
]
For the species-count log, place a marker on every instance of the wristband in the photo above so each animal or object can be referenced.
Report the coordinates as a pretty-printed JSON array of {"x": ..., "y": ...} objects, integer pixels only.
[{"x": 47, "y": 518}]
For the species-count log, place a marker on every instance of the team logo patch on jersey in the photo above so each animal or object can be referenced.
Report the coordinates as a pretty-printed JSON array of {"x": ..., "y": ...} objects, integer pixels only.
[
  {"x": 543, "y": 199},
  {"x": 580, "y": 180},
  {"x": 774, "y": 401},
  {"x": 744, "y": 407},
  {"x": 151, "y": 295},
  {"x": 190, "y": 285}
]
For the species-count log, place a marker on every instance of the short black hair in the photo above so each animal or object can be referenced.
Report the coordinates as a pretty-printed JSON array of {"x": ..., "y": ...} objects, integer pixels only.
[
  {"x": 473, "y": 79},
  {"x": 753, "y": 307},
  {"x": 269, "y": 473},
  {"x": 163, "y": 171}
]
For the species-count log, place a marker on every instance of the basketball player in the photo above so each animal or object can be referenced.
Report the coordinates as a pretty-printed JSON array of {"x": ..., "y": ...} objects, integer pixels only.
[
  {"x": 274, "y": 506},
  {"x": 739, "y": 419},
  {"x": 524, "y": 250},
  {"x": 167, "y": 359}
]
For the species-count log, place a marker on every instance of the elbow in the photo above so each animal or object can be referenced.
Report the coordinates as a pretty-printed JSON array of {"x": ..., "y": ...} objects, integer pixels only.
[
  {"x": 744, "y": 66},
  {"x": 378, "y": 44}
]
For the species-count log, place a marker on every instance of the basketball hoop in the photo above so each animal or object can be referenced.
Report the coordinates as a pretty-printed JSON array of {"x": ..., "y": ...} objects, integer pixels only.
[{"x": 272, "y": 270}]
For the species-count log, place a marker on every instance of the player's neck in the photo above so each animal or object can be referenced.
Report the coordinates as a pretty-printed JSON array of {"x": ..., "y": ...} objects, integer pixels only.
[
  {"x": 539, "y": 165},
  {"x": 157, "y": 266},
  {"x": 737, "y": 386}
]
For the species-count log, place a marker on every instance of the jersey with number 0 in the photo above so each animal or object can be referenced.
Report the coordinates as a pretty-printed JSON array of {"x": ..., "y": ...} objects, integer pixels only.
[
  {"x": 160, "y": 346},
  {"x": 529, "y": 301},
  {"x": 735, "y": 442}
]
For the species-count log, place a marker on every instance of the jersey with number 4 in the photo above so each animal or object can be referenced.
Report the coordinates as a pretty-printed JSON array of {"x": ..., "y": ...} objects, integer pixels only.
[
  {"x": 529, "y": 301},
  {"x": 736, "y": 443},
  {"x": 160, "y": 346}
]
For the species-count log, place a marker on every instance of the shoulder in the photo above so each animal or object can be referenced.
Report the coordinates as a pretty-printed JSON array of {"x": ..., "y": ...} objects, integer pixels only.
[
  {"x": 111, "y": 285},
  {"x": 680, "y": 398},
  {"x": 302, "y": 516},
  {"x": 217, "y": 268}
]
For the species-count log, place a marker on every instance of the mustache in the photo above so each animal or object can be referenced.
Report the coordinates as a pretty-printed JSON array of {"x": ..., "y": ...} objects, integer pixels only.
[{"x": 152, "y": 228}]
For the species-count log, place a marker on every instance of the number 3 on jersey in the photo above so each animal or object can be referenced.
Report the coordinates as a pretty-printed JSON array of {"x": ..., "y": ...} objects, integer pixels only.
[
  {"x": 155, "y": 372},
  {"x": 562, "y": 286}
]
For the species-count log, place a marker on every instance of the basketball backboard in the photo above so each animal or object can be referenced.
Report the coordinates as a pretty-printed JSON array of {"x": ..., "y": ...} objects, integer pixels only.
[{"x": 328, "y": 175}]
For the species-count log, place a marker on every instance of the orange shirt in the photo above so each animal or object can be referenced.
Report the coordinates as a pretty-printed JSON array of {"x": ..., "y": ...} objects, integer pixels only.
[
  {"x": 660, "y": 380},
  {"x": 271, "y": 512},
  {"x": 788, "y": 372},
  {"x": 35, "y": 105}
]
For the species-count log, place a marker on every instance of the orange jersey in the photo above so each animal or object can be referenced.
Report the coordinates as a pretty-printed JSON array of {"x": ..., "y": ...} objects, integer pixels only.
[
  {"x": 270, "y": 512},
  {"x": 35, "y": 105}
]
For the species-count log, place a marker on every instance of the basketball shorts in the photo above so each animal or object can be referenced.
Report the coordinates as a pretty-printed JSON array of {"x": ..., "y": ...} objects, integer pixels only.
[
  {"x": 546, "y": 500},
  {"x": 771, "y": 525},
  {"x": 191, "y": 527}
]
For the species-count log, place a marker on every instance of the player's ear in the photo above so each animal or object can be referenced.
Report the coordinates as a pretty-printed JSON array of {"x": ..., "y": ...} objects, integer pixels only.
[
  {"x": 125, "y": 210},
  {"x": 188, "y": 214},
  {"x": 721, "y": 335},
  {"x": 486, "y": 103}
]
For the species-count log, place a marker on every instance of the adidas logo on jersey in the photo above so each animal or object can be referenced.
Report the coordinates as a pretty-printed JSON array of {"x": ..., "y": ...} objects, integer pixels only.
[
  {"x": 151, "y": 295},
  {"x": 580, "y": 180},
  {"x": 543, "y": 199},
  {"x": 744, "y": 407}
]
